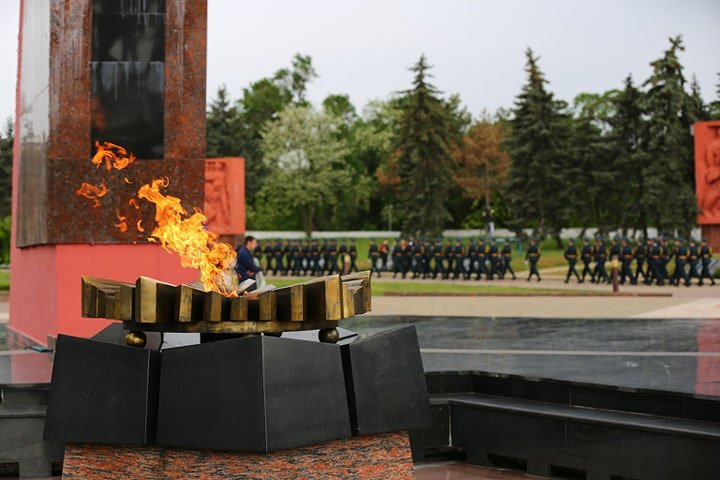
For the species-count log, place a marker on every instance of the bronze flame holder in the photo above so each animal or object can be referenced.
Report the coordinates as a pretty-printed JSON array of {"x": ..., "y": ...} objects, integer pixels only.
[{"x": 150, "y": 305}]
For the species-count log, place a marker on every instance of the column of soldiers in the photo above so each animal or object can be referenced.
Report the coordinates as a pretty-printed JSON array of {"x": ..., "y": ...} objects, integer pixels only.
[
  {"x": 453, "y": 260},
  {"x": 652, "y": 258},
  {"x": 307, "y": 257}
]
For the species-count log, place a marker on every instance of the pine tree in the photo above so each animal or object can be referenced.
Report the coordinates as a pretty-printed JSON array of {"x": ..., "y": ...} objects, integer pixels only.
[
  {"x": 422, "y": 156},
  {"x": 628, "y": 158},
  {"x": 715, "y": 106},
  {"x": 668, "y": 176},
  {"x": 222, "y": 126},
  {"x": 538, "y": 145}
]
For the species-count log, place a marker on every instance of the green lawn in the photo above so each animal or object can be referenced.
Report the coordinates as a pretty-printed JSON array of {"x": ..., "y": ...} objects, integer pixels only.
[
  {"x": 4, "y": 280},
  {"x": 380, "y": 288}
]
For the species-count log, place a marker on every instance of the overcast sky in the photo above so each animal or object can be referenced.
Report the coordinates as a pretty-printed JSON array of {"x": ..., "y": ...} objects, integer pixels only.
[{"x": 363, "y": 48}]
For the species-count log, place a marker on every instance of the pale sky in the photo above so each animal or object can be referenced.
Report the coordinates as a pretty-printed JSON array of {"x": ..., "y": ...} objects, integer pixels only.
[{"x": 363, "y": 48}]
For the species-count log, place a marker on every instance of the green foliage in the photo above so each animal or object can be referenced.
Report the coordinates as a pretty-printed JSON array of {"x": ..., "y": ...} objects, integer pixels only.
[
  {"x": 669, "y": 182},
  {"x": 538, "y": 145},
  {"x": 428, "y": 129},
  {"x": 306, "y": 161},
  {"x": 5, "y": 239},
  {"x": 6, "y": 158},
  {"x": 714, "y": 106}
]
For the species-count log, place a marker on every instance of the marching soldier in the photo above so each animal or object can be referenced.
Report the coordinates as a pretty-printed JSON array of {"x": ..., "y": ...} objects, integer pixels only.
[
  {"x": 587, "y": 254},
  {"x": 626, "y": 256},
  {"x": 373, "y": 255},
  {"x": 448, "y": 258},
  {"x": 353, "y": 256},
  {"x": 681, "y": 257},
  {"x": 533, "y": 256},
  {"x": 322, "y": 256},
  {"x": 384, "y": 251},
  {"x": 471, "y": 257},
  {"x": 342, "y": 251},
  {"x": 268, "y": 251},
  {"x": 458, "y": 257},
  {"x": 332, "y": 266},
  {"x": 416, "y": 252},
  {"x": 437, "y": 253},
  {"x": 507, "y": 259},
  {"x": 615, "y": 249},
  {"x": 493, "y": 256},
  {"x": 694, "y": 258},
  {"x": 571, "y": 256},
  {"x": 481, "y": 256},
  {"x": 705, "y": 259},
  {"x": 305, "y": 258},
  {"x": 258, "y": 253},
  {"x": 640, "y": 256},
  {"x": 655, "y": 261},
  {"x": 278, "y": 253},
  {"x": 398, "y": 256},
  {"x": 600, "y": 259},
  {"x": 665, "y": 255},
  {"x": 427, "y": 259}
]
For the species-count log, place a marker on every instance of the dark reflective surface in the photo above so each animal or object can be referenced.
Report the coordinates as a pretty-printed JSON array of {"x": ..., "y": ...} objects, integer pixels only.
[
  {"x": 128, "y": 74},
  {"x": 669, "y": 354}
]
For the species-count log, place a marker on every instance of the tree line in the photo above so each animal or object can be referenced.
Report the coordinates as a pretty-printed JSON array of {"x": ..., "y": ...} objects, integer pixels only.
[{"x": 620, "y": 159}]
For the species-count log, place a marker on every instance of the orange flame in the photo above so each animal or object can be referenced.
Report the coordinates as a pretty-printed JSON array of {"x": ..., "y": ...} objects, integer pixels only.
[
  {"x": 91, "y": 192},
  {"x": 139, "y": 226},
  {"x": 133, "y": 203},
  {"x": 122, "y": 224},
  {"x": 113, "y": 155},
  {"x": 187, "y": 236}
]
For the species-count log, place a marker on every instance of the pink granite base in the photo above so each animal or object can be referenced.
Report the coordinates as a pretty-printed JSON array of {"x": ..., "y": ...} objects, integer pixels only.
[{"x": 384, "y": 456}]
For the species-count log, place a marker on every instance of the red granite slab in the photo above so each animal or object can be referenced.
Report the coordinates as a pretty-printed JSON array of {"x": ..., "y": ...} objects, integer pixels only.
[{"x": 384, "y": 456}]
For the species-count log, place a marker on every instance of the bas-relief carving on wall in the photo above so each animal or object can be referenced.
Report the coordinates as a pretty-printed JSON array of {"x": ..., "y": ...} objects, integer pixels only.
[
  {"x": 707, "y": 171},
  {"x": 217, "y": 197},
  {"x": 225, "y": 195}
]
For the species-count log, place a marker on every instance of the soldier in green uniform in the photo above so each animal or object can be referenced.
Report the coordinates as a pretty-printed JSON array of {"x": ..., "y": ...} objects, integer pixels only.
[
  {"x": 448, "y": 251},
  {"x": 571, "y": 256},
  {"x": 694, "y": 260},
  {"x": 352, "y": 250},
  {"x": 506, "y": 254},
  {"x": 398, "y": 258},
  {"x": 458, "y": 257},
  {"x": 626, "y": 257},
  {"x": 655, "y": 259},
  {"x": 494, "y": 256},
  {"x": 471, "y": 259},
  {"x": 437, "y": 253},
  {"x": 640, "y": 256},
  {"x": 600, "y": 259},
  {"x": 587, "y": 254},
  {"x": 681, "y": 257},
  {"x": 373, "y": 255},
  {"x": 269, "y": 257},
  {"x": 533, "y": 256},
  {"x": 279, "y": 253},
  {"x": 427, "y": 259},
  {"x": 481, "y": 259},
  {"x": 705, "y": 259},
  {"x": 332, "y": 248}
]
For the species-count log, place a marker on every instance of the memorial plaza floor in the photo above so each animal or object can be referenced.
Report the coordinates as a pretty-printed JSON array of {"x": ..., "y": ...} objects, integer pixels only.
[{"x": 669, "y": 342}]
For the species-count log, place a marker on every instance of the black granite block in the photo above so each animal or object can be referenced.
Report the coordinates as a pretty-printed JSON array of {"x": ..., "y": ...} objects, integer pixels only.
[
  {"x": 255, "y": 394},
  {"x": 102, "y": 393},
  {"x": 386, "y": 383}
]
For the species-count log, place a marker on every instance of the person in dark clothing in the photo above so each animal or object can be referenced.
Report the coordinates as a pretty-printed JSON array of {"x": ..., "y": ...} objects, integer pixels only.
[
  {"x": 494, "y": 256},
  {"x": 705, "y": 259},
  {"x": 626, "y": 257},
  {"x": 384, "y": 251},
  {"x": 694, "y": 260},
  {"x": 600, "y": 259},
  {"x": 245, "y": 266},
  {"x": 342, "y": 253},
  {"x": 458, "y": 257},
  {"x": 481, "y": 258},
  {"x": 269, "y": 256},
  {"x": 398, "y": 258},
  {"x": 332, "y": 257},
  {"x": 507, "y": 259},
  {"x": 681, "y": 258},
  {"x": 587, "y": 254},
  {"x": 352, "y": 250},
  {"x": 640, "y": 257},
  {"x": 571, "y": 256},
  {"x": 437, "y": 252},
  {"x": 278, "y": 254},
  {"x": 373, "y": 254},
  {"x": 448, "y": 250},
  {"x": 533, "y": 256}
]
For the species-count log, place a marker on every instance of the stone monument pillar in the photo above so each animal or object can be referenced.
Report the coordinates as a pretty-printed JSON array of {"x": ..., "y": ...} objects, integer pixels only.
[
  {"x": 707, "y": 180},
  {"x": 131, "y": 72}
]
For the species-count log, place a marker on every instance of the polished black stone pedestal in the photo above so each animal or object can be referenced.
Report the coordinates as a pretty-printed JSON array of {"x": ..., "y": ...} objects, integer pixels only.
[
  {"x": 386, "y": 382},
  {"x": 254, "y": 394},
  {"x": 102, "y": 393}
]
